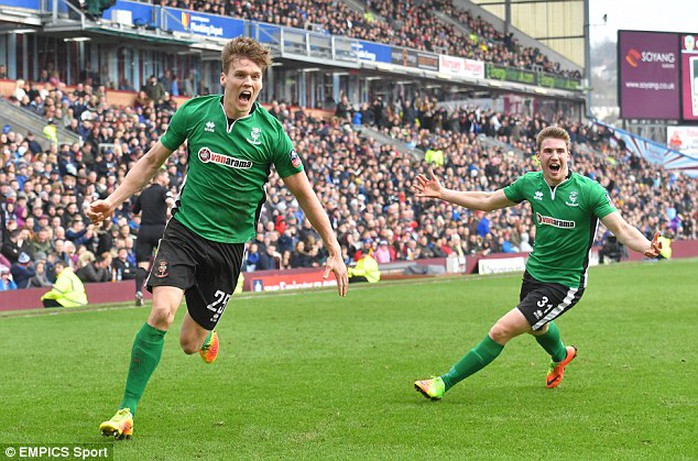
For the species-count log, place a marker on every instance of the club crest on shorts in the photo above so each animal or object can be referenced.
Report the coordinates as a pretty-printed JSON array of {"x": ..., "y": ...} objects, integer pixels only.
[
  {"x": 295, "y": 159},
  {"x": 161, "y": 270}
]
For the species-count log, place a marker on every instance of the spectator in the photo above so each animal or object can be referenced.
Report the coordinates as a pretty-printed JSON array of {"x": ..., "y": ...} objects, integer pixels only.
[
  {"x": 252, "y": 257},
  {"x": 270, "y": 259},
  {"x": 154, "y": 90},
  {"x": 40, "y": 280},
  {"x": 79, "y": 234},
  {"x": 94, "y": 269},
  {"x": 22, "y": 270},
  {"x": 385, "y": 253},
  {"x": 15, "y": 245},
  {"x": 6, "y": 282},
  {"x": 611, "y": 251},
  {"x": 300, "y": 258},
  {"x": 68, "y": 291},
  {"x": 525, "y": 246},
  {"x": 125, "y": 269},
  {"x": 41, "y": 244},
  {"x": 342, "y": 110}
]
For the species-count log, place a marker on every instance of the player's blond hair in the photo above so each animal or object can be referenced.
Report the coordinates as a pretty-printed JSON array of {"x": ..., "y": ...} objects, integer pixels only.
[
  {"x": 554, "y": 132},
  {"x": 245, "y": 47}
]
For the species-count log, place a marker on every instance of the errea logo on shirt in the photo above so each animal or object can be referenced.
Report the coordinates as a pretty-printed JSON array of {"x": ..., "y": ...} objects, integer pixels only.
[
  {"x": 206, "y": 156},
  {"x": 210, "y": 127}
]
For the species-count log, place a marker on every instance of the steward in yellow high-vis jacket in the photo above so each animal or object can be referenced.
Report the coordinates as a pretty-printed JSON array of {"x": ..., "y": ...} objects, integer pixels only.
[{"x": 68, "y": 291}]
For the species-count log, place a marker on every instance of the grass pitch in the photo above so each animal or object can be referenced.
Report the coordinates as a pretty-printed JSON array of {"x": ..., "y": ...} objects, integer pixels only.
[{"x": 308, "y": 375}]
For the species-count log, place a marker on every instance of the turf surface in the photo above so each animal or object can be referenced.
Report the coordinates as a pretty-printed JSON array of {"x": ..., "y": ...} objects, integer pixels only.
[{"x": 308, "y": 375}]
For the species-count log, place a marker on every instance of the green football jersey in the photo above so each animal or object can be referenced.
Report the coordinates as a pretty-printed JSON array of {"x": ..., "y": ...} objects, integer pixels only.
[
  {"x": 566, "y": 218},
  {"x": 229, "y": 164}
]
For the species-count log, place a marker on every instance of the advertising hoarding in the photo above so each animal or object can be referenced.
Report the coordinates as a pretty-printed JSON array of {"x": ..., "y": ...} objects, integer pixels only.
[
  {"x": 683, "y": 138},
  {"x": 289, "y": 280},
  {"x": 372, "y": 52},
  {"x": 207, "y": 25},
  {"x": 412, "y": 58},
  {"x": 689, "y": 76},
  {"x": 648, "y": 75},
  {"x": 460, "y": 67},
  {"x": 510, "y": 74}
]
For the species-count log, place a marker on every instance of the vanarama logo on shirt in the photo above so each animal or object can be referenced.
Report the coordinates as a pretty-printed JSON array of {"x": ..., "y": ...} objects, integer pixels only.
[
  {"x": 206, "y": 155},
  {"x": 554, "y": 222}
]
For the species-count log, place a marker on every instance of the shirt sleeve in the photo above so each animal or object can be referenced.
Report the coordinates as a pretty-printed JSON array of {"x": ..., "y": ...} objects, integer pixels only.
[
  {"x": 285, "y": 158},
  {"x": 601, "y": 203},
  {"x": 515, "y": 191},
  {"x": 176, "y": 132}
]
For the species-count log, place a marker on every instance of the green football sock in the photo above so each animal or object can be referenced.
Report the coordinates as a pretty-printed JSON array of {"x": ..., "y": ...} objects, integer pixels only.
[
  {"x": 145, "y": 356},
  {"x": 478, "y": 358},
  {"x": 208, "y": 336},
  {"x": 552, "y": 344}
]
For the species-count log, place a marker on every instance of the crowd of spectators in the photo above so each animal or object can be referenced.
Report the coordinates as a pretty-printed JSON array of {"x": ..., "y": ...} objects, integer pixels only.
[
  {"x": 365, "y": 186},
  {"x": 409, "y": 23}
]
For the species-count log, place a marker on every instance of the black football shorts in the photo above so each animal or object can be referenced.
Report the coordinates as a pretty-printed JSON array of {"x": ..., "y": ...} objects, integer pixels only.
[
  {"x": 207, "y": 271},
  {"x": 543, "y": 302},
  {"x": 147, "y": 241}
]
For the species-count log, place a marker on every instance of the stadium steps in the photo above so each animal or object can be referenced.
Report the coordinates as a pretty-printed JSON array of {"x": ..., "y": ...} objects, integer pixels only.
[
  {"x": 449, "y": 20},
  {"x": 587, "y": 149},
  {"x": 360, "y": 7},
  {"x": 22, "y": 121},
  {"x": 384, "y": 139},
  {"x": 496, "y": 144}
]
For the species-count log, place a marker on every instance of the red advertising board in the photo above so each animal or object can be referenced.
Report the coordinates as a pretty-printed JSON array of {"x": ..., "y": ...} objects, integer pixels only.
[{"x": 280, "y": 280}]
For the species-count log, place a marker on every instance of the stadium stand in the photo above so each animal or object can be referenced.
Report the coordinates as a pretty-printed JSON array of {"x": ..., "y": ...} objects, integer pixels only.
[
  {"x": 64, "y": 146},
  {"x": 412, "y": 24},
  {"x": 364, "y": 184}
]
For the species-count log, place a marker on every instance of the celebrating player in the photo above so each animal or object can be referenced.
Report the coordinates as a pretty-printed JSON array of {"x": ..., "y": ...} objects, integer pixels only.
[
  {"x": 232, "y": 143},
  {"x": 567, "y": 207}
]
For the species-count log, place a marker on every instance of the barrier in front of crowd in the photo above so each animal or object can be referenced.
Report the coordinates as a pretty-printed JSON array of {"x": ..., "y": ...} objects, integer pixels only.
[{"x": 294, "y": 279}]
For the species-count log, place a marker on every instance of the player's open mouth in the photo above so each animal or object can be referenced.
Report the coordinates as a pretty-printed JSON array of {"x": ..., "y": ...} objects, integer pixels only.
[
  {"x": 245, "y": 97},
  {"x": 555, "y": 167}
]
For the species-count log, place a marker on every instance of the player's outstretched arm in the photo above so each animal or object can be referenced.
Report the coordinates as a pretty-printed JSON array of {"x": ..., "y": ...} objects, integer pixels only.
[
  {"x": 631, "y": 237},
  {"x": 430, "y": 187},
  {"x": 299, "y": 185},
  {"x": 134, "y": 181}
]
